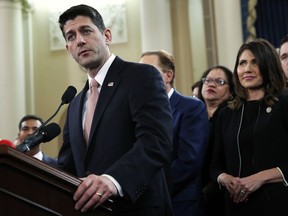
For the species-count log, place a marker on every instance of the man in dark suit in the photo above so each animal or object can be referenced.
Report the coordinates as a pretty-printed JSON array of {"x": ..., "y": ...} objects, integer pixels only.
[
  {"x": 27, "y": 126},
  {"x": 190, "y": 137},
  {"x": 131, "y": 134}
]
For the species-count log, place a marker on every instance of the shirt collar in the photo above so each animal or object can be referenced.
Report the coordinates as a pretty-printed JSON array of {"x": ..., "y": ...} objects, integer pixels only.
[
  {"x": 103, "y": 71},
  {"x": 170, "y": 92},
  {"x": 39, "y": 155}
]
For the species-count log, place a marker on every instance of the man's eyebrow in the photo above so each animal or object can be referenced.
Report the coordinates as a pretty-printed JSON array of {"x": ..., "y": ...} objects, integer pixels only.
[
  {"x": 80, "y": 28},
  {"x": 69, "y": 32}
]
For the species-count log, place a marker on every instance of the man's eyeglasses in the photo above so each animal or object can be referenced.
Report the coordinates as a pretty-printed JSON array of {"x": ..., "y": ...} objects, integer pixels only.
[{"x": 217, "y": 82}]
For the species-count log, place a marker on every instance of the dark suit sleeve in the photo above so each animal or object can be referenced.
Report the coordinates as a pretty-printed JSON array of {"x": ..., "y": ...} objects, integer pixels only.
[
  {"x": 65, "y": 157},
  {"x": 191, "y": 131}
]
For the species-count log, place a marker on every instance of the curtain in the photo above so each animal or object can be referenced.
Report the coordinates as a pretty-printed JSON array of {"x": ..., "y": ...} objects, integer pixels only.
[
  {"x": 271, "y": 19},
  {"x": 249, "y": 16}
]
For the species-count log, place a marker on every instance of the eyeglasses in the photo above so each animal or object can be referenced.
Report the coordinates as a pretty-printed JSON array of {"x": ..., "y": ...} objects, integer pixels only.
[{"x": 217, "y": 81}]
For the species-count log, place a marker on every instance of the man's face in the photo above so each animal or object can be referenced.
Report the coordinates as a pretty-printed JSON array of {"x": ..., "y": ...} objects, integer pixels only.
[
  {"x": 27, "y": 128},
  {"x": 154, "y": 61},
  {"x": 284, "y": 58},
  {"x": 88, "y": 46}
]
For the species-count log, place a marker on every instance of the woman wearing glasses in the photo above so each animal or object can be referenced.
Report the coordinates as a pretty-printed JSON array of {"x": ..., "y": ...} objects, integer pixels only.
[
  {"x": 215, "y": 90},
  {"x": 217, "y": 87}
]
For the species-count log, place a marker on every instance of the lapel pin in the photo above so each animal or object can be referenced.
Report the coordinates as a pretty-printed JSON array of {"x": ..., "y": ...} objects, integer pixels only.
[
  {"x": 110, "y": 84},
  {"x": 268, "y": 109}
]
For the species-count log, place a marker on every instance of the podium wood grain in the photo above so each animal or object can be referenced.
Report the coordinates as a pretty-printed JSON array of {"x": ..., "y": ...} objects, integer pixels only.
[{"x": 30, "y": 187}]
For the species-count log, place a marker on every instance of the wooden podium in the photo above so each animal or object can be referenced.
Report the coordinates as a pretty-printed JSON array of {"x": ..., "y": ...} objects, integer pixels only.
[{"x": 30, "y": 187}]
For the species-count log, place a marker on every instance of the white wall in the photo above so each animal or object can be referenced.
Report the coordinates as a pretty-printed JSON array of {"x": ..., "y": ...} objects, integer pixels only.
[{"x": 228, "y": 30}]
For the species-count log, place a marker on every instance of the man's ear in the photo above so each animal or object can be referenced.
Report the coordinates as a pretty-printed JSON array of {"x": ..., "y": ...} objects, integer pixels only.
[
  {"x": 169, "y": 75},
  {"x": 108, "y": 36}
]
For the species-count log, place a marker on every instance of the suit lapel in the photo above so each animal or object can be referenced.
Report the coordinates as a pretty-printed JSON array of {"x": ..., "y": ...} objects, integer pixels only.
[
  {"x": 174, "y": 99},
  {"x": 110, "y": 85}
]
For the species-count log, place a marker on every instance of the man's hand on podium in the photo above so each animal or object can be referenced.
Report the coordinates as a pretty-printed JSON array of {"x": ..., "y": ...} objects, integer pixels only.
[{"x": 94, "y": 191}]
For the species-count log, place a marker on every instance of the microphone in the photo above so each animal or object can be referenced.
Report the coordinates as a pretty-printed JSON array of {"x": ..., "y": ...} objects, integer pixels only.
[
  {"x": 46, "y": 134},
  {"x": 6, "y": 142},
  {"x": 67, "y": 97}
]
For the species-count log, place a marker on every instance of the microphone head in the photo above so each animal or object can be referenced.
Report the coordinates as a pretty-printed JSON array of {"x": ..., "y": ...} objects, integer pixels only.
[
  {"x": 50, "y": 132},
  {"x": 68, "y": 95},
  {"x": 7, "y": 142}
]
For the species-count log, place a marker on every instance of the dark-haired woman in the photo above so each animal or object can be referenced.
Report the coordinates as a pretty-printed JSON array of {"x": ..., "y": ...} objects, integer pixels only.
[{"x": 250, "y": 157}]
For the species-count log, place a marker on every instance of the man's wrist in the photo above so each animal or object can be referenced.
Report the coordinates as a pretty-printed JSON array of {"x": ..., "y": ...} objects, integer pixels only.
[{"x": 116, "y": 184}]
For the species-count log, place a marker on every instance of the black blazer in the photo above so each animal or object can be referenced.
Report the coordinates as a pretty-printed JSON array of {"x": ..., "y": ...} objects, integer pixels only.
[
  {"x": 270, "y": 150},
  {"x": 130, "y": 139}
]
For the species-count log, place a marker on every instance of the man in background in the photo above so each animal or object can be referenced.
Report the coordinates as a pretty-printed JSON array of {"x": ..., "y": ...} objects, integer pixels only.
[
  {"x": 27, "y": 125},
  {"x": 283, "y": 54},
  {"x": 190, "y": 138}
]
